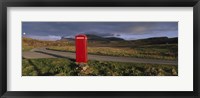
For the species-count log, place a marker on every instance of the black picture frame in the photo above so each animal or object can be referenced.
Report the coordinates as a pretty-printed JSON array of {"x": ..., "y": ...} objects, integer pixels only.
[{"x": 99, "y": 3}]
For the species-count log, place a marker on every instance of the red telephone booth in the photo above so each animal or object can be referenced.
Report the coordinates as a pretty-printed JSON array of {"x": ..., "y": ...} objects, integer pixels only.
[{"x": 81, "y": 48}]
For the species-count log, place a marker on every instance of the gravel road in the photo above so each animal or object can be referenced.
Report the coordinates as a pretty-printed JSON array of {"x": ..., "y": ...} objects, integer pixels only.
[{"x": 44, "y": 53}]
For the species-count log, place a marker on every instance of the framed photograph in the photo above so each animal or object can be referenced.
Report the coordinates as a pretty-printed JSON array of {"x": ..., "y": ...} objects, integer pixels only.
[{"x": 85, "y": 48}]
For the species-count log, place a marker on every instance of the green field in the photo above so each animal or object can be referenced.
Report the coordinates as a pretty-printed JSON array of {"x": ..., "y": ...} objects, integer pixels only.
[
  {"x": 162, "y": 51},
  {"x": 67, "y": 67}
]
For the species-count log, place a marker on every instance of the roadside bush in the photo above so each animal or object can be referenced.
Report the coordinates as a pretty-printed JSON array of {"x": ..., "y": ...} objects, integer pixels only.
[{"x": 66, "y": 67}]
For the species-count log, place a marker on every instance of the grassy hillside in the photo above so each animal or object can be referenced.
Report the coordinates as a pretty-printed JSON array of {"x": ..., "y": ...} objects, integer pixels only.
[
  {"x": 28, "y": 43},
  {"x": 139, "y": 48}
]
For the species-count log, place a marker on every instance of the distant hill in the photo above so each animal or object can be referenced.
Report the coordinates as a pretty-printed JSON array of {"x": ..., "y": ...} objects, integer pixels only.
[
  {"x": 66, "y": 39},
  {"x": 114, "y": 39},
  {"x": 153, "y": 40},
  {"x": 158, "y": 40},
  {"x": 92, "y": 37}
]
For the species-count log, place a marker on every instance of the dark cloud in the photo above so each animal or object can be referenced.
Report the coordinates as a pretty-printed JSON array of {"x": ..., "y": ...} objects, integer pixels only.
[{"x": 100, "y": 28}]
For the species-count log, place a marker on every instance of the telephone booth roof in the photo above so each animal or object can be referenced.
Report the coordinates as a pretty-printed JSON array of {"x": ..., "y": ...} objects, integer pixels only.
[{"x": 81, "y": 35}]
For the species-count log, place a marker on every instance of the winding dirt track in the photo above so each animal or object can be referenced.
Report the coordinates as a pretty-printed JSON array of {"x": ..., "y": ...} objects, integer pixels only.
[{"x": 44, "y": 53}]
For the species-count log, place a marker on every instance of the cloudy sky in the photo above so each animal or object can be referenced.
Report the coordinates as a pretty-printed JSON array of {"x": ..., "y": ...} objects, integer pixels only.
[{"x": 125, "y": 30}]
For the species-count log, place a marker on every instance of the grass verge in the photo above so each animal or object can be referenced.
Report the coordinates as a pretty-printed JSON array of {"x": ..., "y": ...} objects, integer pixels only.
[{"x": 66, "y": 67}]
